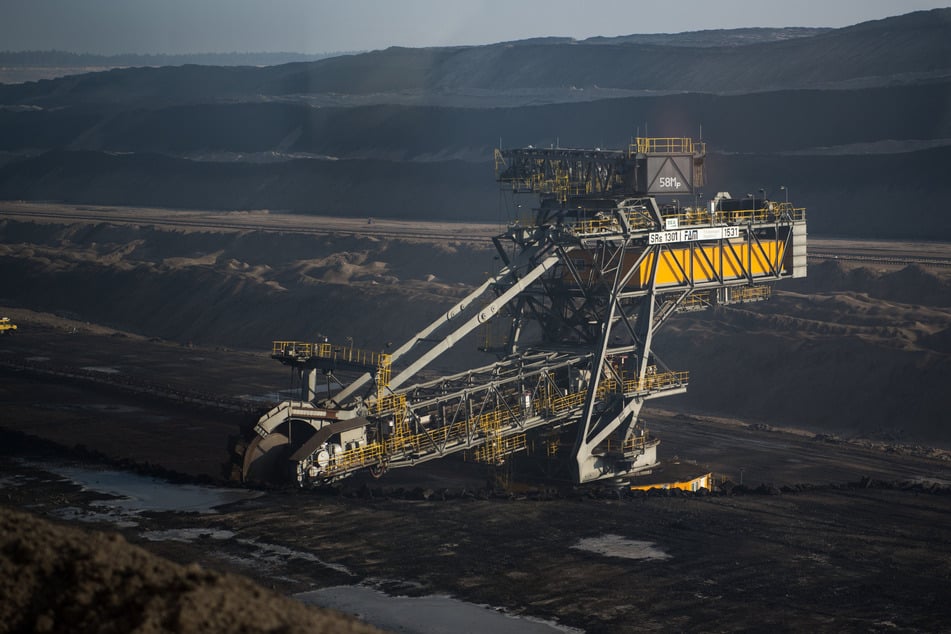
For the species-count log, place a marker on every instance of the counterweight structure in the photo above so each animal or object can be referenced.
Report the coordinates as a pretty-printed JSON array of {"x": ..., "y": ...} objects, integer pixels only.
[{"x": 587, "y": 282}]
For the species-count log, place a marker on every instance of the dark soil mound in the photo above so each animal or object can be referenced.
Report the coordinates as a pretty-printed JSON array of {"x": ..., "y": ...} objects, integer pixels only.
[{"x": 59, "y": 579}]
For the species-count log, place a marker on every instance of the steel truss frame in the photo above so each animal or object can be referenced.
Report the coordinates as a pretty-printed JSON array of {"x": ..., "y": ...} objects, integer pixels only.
[{"x": 583, "y": 292}]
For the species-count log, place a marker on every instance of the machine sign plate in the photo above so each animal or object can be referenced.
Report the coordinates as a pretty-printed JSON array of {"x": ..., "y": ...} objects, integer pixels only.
[{"x": 689, "y": 235}]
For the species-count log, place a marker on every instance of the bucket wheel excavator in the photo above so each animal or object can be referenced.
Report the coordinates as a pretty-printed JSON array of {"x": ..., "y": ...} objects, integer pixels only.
[{"x": 586, "y": 283}]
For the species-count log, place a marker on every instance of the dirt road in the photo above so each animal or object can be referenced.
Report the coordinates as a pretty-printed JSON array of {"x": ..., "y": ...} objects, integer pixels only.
[{"x": 262, "y": 220}]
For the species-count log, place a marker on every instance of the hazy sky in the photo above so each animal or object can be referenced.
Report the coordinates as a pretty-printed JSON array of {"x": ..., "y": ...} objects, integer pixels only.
[{"x": 316, "y": 26}]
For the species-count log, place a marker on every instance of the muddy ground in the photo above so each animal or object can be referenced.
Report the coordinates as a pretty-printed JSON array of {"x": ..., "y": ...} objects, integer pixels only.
[{"x": 823, "y": 535}]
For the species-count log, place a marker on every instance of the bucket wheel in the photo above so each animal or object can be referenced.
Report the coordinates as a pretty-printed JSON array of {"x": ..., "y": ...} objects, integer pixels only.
[{"x": 267, "y": 459}]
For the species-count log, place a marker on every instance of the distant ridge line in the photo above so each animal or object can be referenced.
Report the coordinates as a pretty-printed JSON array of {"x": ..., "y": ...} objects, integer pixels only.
[{"x": 56, "y": 58}]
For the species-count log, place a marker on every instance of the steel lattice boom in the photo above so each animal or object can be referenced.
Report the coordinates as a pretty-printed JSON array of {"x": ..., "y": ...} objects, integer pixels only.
[{"x": 585, "y": 286}]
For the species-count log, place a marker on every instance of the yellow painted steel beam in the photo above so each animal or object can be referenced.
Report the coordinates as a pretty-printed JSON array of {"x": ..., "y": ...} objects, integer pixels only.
[
  {"x": 692, "y": 265},
  {"x": 696, "y": 264}
]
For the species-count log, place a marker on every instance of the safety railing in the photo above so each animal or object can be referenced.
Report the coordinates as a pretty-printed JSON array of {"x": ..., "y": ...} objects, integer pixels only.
[
  {"x": 629, "y": 445},
  {"x": 666, "y": 145},
  {"x": 607, "y": 223},
  {"x": 391, "y": 404},
  {"x": 490, "y": 421},
  {"x": 451, "y": 432},
  {"x": 560, "y": 185},
  {"x": 324, "y": 350},
  {"x": 595, "y": 225},
  {"x": 405, "y": 443},
  {"x": 497, "y": 448},
  {"x": 559, "y": 404},
  {"x": 639, "y": 219},
  {"x": 749, "y": 293},
  {"x": 656, "y": 382},
  {"x": 772, "y": 212},
  {"x": 690, "y": 216},
  {"x": 607, "y": 386},
  {"x": 355, "y": 458},
  {"x": 499, "y": 428},
  {"x": 386, "y": 401},
  {"x": 695, "y": 301}
]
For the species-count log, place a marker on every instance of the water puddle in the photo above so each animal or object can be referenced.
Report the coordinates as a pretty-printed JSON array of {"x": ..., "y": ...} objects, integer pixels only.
[
  {"x": 277, "y": 554},
  {"x": 135, "y": 494},
  {"x": 617, "y": 546},
  {"x": 75, "y": 514},
  {"x": 15, "y": 481},
  {"x": 425, "y": 615},
  {"x": 259, "y": 553},
  {"x": 186, "y": 535}
]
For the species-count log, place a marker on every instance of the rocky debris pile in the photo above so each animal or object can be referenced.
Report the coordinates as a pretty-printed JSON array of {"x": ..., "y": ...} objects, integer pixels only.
[{"x": 59, "y": 579}]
